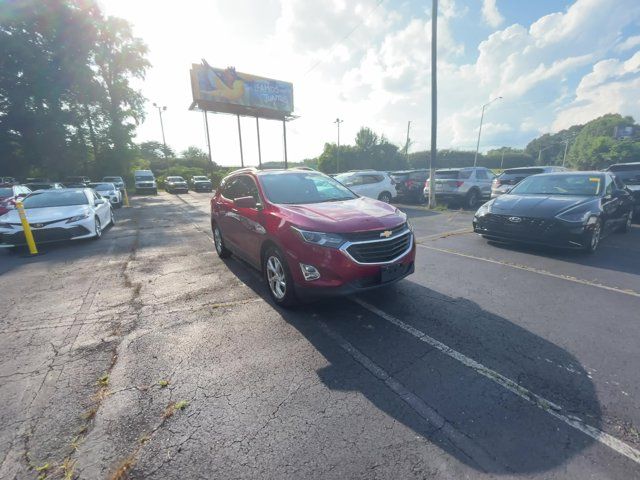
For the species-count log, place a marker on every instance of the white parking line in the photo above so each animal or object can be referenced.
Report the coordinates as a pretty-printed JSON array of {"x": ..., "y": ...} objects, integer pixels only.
[
  {"x": 540, "y": 402},
  {"x": 568, "y": 278}
]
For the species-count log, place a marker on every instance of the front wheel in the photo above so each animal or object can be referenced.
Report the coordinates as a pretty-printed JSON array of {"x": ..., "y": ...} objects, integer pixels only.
[
  {"x": 626, "y": 226},
  {"x": 97, "y": 230},
  {"x": 593, "y": 238},
  {"x": 279, "y": 279},
  {"x": 472, "y": 199},
  {"x": 218, "y": 241},
  {"x": 385, "y": 197}
]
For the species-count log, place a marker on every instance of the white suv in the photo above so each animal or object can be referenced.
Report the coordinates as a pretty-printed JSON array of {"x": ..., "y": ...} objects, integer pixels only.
[{"x": 370, "y": 183}]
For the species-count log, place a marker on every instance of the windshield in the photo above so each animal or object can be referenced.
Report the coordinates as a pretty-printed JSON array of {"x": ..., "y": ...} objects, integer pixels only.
[
  {"x": 201, "y": 178},
  {"x": 102, "y": 187},
  {"x": 175, "y": 179},
  {"x": 55, "y": 199},
  {"x": 144, "y": 178},
  {"x": 629, "y": 177},
  {"x": 579, "y": 184},
  {"x": 6, "y": 192},
  {"x": 112, "y": 179},
  {"x": 303, "y": 188}
]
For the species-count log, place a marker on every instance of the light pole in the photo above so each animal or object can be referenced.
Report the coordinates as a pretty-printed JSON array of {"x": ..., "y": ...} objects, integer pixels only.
[
  {"x": 475, "y": 159},
  {"x": 338, "y": 122},
  {"x": 542, "y": 150},
  {"x": 566, "y": 142},
  {"x": 434, "y": 102},
  {"x": 160, "y": 110}
]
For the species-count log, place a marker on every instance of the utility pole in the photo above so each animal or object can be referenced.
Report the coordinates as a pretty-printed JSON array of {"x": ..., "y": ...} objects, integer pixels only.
[
  {"x": 206, "y": 127},
  {"x": 475, "y": 159},
  {"x": 240, "y": 139},
  {"x": 160, "y": 110},
  {"x": 434, "y": 102},
  {"x": 338, "y": 122},
  {"x": 502, "y": 159},
  {"x": 406, "y": 146}
]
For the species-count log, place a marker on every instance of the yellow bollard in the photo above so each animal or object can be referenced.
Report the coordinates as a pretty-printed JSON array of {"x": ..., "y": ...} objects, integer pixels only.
[
  {"x": 126, "y": 198},
  {"x": 27, "y": 229}
]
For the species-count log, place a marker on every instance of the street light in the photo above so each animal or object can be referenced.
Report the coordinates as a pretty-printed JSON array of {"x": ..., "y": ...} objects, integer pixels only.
[
  {"x": 338, "y": 122},
  {"x": 475, "y": 159},
  {"x": 160, "y": 110}
]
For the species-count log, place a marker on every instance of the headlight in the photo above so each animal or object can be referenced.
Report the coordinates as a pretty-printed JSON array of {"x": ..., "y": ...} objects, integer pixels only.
[
  {"x": 77, "y": 218},
  {"x": 575, "y": 215},
  {"x": 330, "y": 240},
  {"x": 409, "y": 225},
  {"x": 483, "y": 210}
]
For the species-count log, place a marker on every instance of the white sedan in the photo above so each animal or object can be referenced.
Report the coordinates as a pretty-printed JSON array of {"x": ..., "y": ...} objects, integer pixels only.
[
  {"x": 370, "y": 183},
  {"x": 54, "y": 215},
  {"x": 108, "y": 191}
]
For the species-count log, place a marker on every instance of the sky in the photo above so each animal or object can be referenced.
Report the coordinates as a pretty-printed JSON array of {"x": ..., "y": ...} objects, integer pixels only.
[{"x": 555, "y": 63}]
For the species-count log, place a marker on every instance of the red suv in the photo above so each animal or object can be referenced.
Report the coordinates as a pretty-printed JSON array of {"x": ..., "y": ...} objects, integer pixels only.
[{"x": 309, "y": 234}]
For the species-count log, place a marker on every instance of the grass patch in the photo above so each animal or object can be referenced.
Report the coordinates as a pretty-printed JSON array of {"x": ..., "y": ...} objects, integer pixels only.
[
  {"x": 68, "y": 466},
  {"x": 103, "y": 381},
  {"x": 163, "y": 383},
  {"x": 182, "y": 404},
  {"x": 172, "y": 407},
  {"x": 123, "y": 469}
]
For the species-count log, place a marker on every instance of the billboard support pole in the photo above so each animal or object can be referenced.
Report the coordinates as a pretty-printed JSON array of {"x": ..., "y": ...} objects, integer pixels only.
[
  {"x": 240, "y": 138},
  {"x": 284, "y": 133},
  {"x": 259, "y": 151},
  {"x": 206, "y": 127}
]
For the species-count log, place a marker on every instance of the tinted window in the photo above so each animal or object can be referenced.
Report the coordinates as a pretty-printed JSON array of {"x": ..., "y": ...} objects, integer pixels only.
[
  {"x": 369, "y": 179},
  {"x": 522, "y": 172},
  {"x": 618, "y": 183},
  {"x": 418, "y": 176},
  {"x": 400, "y": 177},
  {"x": 300, "y": 188},
  {"x": 624, "y": 168},
  {"x": 247, "y": 188},
  {"x": 350, "y": 179},
  {"x": 628, "y": 176},
  {"x": 449, "y": 174},
  {"x": 481, "y": 175},
  {"x": 55, "y": 199},
  {"x": 578, "y": 184}
]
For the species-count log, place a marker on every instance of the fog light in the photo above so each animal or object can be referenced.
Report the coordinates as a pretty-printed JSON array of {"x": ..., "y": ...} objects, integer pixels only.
[{"x": 310, "y": 272}]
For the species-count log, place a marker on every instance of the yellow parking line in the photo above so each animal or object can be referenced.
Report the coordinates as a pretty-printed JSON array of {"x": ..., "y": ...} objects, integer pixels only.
[{"x": 568, "y": 278}]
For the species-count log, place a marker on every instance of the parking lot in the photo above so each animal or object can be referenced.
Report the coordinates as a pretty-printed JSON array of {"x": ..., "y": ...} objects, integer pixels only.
[{"x": 144, "y": 355}]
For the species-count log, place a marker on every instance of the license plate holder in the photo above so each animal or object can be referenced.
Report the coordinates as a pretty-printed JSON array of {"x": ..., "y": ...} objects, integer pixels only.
[{"x": 389, "y": 273}]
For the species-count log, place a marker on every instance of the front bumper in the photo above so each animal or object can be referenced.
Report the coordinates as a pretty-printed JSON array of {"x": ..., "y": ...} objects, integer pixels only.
[
  {"x": 44, "y": 235},
  {"x": 146, "y": 188},
  {"x": 202, "y": 187},
  {"x": 177, "y": 188},
  {"x": 339, "y": 273},
  {"x": 549, "y": 232}
]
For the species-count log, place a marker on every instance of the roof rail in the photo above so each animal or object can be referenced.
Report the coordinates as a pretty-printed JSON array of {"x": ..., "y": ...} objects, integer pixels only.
[{"x": 245, "y": 169}]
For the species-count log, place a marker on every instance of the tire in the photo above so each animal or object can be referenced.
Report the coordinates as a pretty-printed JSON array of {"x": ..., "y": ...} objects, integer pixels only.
[
  {"x": 278, "y": 277},
  {"x": 218, "y": 242},
  {"x": 385, "y": 197},
  {"x": 97, "y": 229},
  {"x": 593, "y": 239},
  {"x": 113, "y": 219},
  {"x": 626, "y": 226},
  {"x": 472, "y": 199}
]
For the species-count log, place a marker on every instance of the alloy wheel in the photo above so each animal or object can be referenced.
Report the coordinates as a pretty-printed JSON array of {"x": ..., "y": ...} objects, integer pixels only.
[
  {"x": 217, "y": 240},
  {"x": 98, "y": 228},
  {"x": 595, "y": 237},
  {"x": 276, "y": 277}
]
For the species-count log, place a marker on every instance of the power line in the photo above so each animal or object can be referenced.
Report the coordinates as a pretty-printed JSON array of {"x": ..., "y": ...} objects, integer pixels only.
[{"x": 344, "y": 38}]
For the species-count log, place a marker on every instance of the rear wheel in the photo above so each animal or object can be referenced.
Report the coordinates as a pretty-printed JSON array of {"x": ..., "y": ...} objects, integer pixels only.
[
  {"x": 278, "y": 277},
  {"x": 626, "y": 226},
  {"x": 593, "y": 238},
  {"x": 473, "y": 197},
  {"x": 218, "y": 241},
  {"x": 113, "y": 218},
  {"x": 385, "y": 197}
]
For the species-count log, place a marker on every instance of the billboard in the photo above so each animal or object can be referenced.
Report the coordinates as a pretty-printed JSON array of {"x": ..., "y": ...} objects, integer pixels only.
[{"x": 228, "y": 91}]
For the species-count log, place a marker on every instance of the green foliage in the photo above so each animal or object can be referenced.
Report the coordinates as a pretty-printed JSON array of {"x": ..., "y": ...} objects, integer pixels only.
[{"x": 66, "y": 103}]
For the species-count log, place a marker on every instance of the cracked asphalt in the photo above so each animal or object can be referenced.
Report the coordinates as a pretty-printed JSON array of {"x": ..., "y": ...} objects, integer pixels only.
[{"x": 143, "y": 355}]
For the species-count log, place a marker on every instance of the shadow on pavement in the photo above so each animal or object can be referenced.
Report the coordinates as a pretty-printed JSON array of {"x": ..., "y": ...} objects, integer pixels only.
[{"x": 515, "y": 436}]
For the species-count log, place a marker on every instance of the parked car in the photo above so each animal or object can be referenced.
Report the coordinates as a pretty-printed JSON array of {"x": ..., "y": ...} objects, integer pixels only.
[
  {"x": 309, "y": 234},
  {"x": 200, "y": 183},
  {"x": 117, "y": 181},
  {"x": 369, "y": 183},
  {"x": 629, "y": 174},
  {"x": 563, "y": 209},
  {"x": 511, "y": 176},
  {"x": 35, "y": 186},
  {"x": 176, "y": 184},
  {"x": 145, "y": 181},
  {"x": 410, "y": 184},
  {"x": 76, "y": 182},
  {"x": 54, "y": 215},
  {"x": 9, "y": 195},
  {"x": 109, "y": 191},
  {"x": 466, "y": 186}
]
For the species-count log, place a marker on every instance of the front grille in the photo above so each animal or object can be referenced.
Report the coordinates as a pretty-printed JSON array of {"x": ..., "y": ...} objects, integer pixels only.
[
  {"x": 46, "y": 235},
  {"x": 373, "y": 234},
  {"x": 528, "y": 225},
  {"x": 380, "y": 251}
]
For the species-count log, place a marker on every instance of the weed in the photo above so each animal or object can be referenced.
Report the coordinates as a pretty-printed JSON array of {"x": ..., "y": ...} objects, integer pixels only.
[
  {"x": 163, "y": 383},
  {"x": 89, "y": 414},
  {"x": 123, "y": 469},
  {"x": 43, "y": 468},
  {"x": 181, "y": 405},
  {"x": 68, "y": 466},
  {"x": 75, "y": 443},
  {"x": 103, "y": 381},
  {"x": 144, "y": 439}
]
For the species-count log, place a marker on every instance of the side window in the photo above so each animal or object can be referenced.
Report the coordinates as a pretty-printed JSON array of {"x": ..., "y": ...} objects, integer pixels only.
[
  {"x": 481, "y": 175},
  {"x": 248, "y": 188},
  {"x": 619, "y": 183},
  {"x": 369, "y": 179},
  {"x": 229, "y": 188},
  {"x": 608, "y": 189}
]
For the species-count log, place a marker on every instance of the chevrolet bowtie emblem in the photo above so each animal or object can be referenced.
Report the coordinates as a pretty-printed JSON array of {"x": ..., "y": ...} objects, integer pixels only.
[{"x": 386, "y": 233}]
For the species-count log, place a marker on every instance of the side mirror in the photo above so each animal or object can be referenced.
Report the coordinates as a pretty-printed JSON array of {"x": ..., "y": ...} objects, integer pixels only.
[
  {"x": 245, "y": 202},
  {"x": 99, "y": 201}
]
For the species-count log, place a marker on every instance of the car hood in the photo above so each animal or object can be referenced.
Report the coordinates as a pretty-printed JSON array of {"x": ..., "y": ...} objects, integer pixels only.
[
  {"x": 359, "y": 214},
  {"x": 48, "y": 214},
  {"x": 633, "y": 188},
  {"x": 542, "y": 206}
]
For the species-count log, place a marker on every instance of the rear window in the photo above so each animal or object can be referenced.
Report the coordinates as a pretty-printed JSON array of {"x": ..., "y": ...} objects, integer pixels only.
[
  {"x": 399, "y": 177},
  {"x": 522, "y": 172},
  {"x": 453, "y": 174},
  {"x": 418, "y": 176}
]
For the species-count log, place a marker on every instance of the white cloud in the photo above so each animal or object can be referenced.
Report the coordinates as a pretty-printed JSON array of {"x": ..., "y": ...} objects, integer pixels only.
[
  {"x": 491, "y": 14},
  {"x": 628, "y": 43}
]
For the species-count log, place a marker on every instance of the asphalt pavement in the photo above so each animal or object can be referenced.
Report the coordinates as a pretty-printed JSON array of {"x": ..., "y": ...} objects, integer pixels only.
[{"x": 143, "y": 355}]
